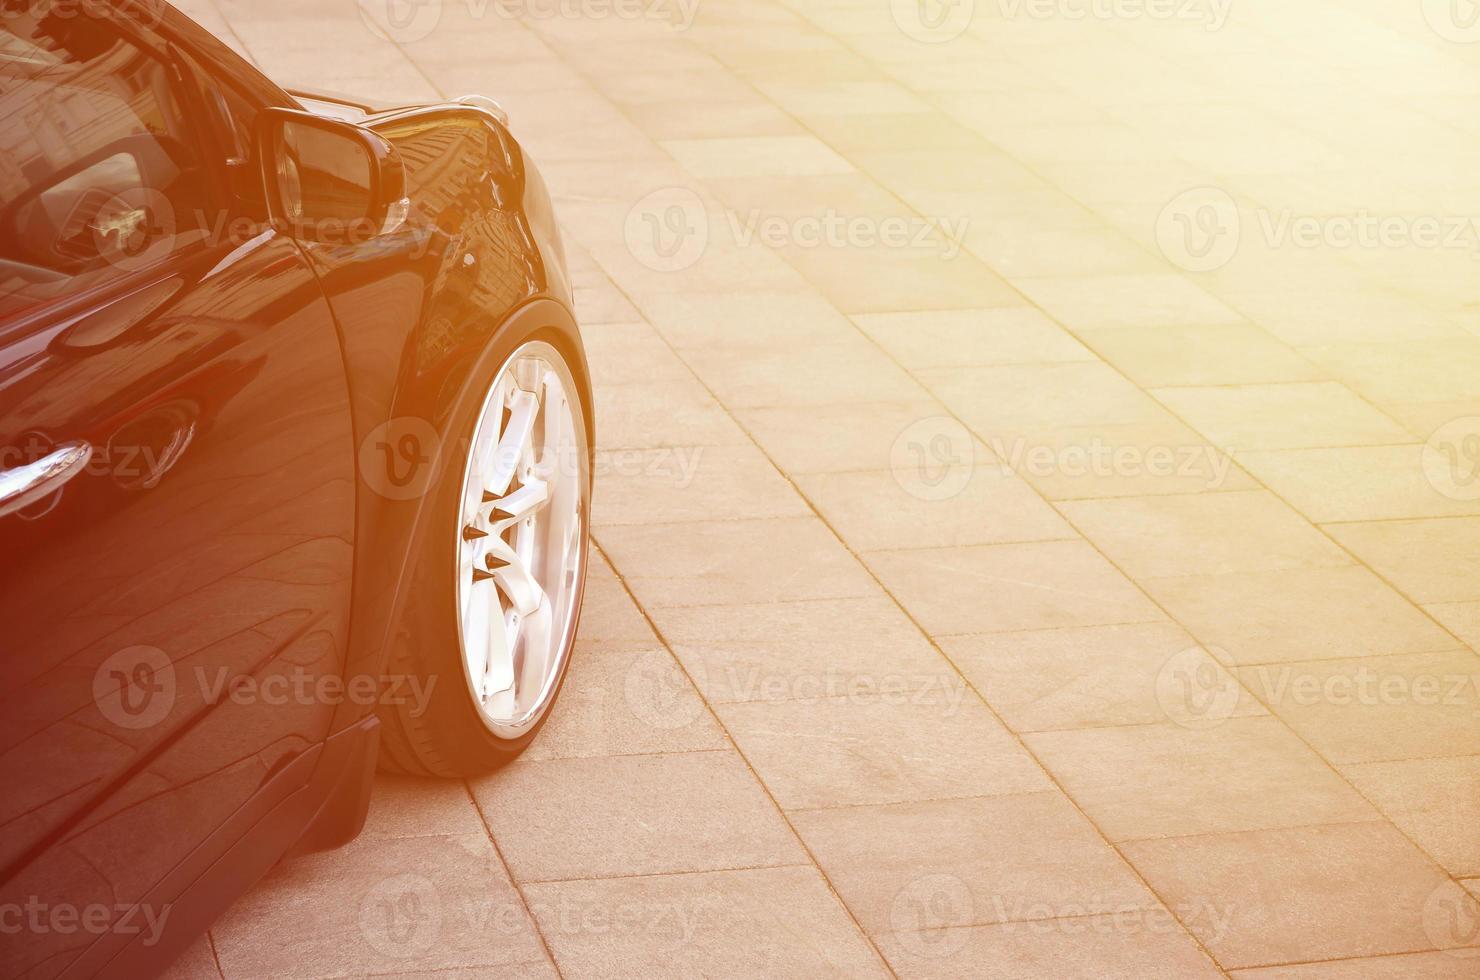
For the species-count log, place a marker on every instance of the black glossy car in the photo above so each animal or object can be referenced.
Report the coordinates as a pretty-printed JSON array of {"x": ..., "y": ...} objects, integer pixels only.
[{"x": 295, "y": 435}]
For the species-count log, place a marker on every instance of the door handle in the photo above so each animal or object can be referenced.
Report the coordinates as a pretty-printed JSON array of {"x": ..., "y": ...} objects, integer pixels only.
[{"x": 25, "y": 485}]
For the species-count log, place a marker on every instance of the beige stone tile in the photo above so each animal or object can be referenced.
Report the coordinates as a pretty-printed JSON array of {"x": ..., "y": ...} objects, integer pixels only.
[
  {"x": 1007, "y": 400},
  {"x": 893, "y": 739},
  {"x": 1011, "y": 587},
  {"x": 754, "y": 923},
  {"x": 752, "y": 319},
  {"x": 630, "y": 354},
  {"x": 734, "y": 562},
  {"x": 1298, "y": 614},
  {"x": 962, "y": 338},
  {"x": 843, "y": 438},
  {"x": 608, "y": 614},
  {"x": 693, "y": 483},
  {"x": 1366, "y": 484},
  {"x": 1282, "y": 416},
  {"x": 1436, "y": 802},
  {"x": 197, "y": 962},
  {"x": 1294, "y": 895},
  {"x": 625, "y": 701},
  {"x": 756, "y": 156},
  {"x": 915, "y": 866},
  {"x": 852, "y": 132},
  {"x": 1088, "y": 677},
  {"x": 407, "y": 806},
  {"x": 930, "y": 273},
  {"x": 634, "y": 815},
  {"x": 1033, "y": 251},
  {"x": 1428, "y": 561},
  {"x": 852, "y": 372},
  {"x": 1170, "y": 781},
  {"x": 1411, "y": 371},
  {"x": 1216, "y": 533},
  {"x": 893, "y": 510},
  {"x": 1375, "y": 709},
  {"x": 1090, "y": 461},
  {"x": 1436, "y": 965},
  {"x": 1147, "y": 945},
  {"x": 697, "y": 120},
  {"x": 674, "y": 413},
  {"x": 1219, "y": 354},
  {"x": 1126, "y": 301},
  {"x": 380, "y": 906},
  {"x": 796, "y": 650},
  {"x": 1460, "y": 618}
]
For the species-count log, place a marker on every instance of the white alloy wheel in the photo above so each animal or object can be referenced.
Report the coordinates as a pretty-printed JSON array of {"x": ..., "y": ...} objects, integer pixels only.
[{"x": 522, "y": 539}]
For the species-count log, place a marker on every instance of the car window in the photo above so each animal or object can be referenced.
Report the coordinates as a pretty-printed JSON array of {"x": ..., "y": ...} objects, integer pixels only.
[{"x": 100, "y": 175}]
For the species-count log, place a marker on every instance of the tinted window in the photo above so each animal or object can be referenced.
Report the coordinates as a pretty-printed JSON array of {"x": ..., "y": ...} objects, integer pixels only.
[{"x": 99, "y": 175}]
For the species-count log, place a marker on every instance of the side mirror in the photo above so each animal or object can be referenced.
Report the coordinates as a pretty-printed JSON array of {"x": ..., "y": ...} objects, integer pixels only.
[{"x": 328, "y": 181}]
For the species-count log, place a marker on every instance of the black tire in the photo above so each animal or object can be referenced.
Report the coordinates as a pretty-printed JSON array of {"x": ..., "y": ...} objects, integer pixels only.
[{"x": 445, "y": 735}]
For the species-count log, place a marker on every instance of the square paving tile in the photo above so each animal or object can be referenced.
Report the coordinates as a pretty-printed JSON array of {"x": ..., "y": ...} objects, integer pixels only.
[
  {"x": 1223, "y": 354},
  {"x": 757, "y": 923},
  {"x": 1208, "y": 534},
  {"x": 1376, "y": 483},
  {"x": 1428, "y": 561},
  {"x": 959, "y": 338},
  {"x": 798, "y": 651},
  {"x": 1089, "y": 677},
  {"x": 914, "y": 867},
  {"x": 1298, "y": 614},
  {"x": 1299, "y": 894},
  {"x": 843, "y": 438},
  {"x": 884, "y": 510},
  {"x": 1377, "y": 709},
  {"x": 1437, "y": 965},
  {"x": 1144, "y": 945},
  {"x": 1436, "y": 802},
  {"x": 897, "y": 739},
  {"x": 380, "y": 906},
  {"x": 633, "y": 815},
  {"x": 1169, "y": 781},
  {"x": 735, "y": 562},
  {"x": 1011, "y": 587},
  {"x": 1282, "y": 416},
  {"x": 620, "y": 700},
  {"x": 694, "y": 483}
]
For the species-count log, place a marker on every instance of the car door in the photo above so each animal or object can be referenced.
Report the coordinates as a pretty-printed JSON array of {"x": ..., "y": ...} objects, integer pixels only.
[{"x": 177, "y": 487}]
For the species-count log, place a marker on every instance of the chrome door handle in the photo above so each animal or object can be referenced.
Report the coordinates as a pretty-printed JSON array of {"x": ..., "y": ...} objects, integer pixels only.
[{"x": 25, "y": 485}]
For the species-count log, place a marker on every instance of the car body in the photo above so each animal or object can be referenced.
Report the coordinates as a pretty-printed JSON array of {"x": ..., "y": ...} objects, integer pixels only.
[{"x": 234, "y": 455}]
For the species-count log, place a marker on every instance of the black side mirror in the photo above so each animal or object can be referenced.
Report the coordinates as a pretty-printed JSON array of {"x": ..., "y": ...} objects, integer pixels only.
[{"x": 329, "y": 181}]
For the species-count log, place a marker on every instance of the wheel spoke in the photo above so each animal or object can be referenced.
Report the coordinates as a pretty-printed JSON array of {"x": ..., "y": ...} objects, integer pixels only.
[{"x": 516, "y": 444}]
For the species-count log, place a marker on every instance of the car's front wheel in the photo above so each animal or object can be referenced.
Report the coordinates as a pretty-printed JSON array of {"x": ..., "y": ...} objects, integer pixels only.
[{"x": 496, "y": 598}]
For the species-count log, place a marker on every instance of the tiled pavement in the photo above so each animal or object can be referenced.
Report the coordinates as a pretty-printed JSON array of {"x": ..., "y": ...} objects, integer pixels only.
[{"x": 1039, "y": 507}]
